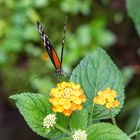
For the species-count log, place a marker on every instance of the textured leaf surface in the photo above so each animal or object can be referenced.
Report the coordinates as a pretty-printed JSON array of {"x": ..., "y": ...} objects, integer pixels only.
[
  {"x": 133, "y": 7},
  {"x": 65, "y": 138},
  {"x": 94, "y": 73},
  {"x": 79, "y": 119},
  {"x": 105, "y": 131},
  {"x": 61, "y": 137},
  {"x": 34, "y": 108}
]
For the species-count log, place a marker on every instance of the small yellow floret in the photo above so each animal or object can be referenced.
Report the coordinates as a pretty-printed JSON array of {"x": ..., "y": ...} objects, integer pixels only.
[
  {"x": 109, "y": 105},
  {"x": 58, "y": 108},
  {"x": 110, "y": 99},
  {"x": 116, "y": 103},
  {"x": 99, "y": 100},
  {"x": 100, "y": 93}
]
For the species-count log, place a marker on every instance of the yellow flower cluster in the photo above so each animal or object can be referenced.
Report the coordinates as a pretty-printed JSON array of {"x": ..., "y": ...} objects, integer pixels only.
[
  {"x": 67, "y": 97},
  {"x": 44, "y": 56},
  {"x": 107, "y": 98}
]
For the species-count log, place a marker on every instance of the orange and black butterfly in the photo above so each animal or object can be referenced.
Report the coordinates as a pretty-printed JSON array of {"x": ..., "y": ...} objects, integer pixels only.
[{"x": 51, "y": 51}]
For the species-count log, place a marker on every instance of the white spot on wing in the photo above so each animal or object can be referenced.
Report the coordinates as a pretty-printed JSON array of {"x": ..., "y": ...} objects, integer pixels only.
[
  {"x": 48, "y": 42},
  {"x": 44, "y": 40}
]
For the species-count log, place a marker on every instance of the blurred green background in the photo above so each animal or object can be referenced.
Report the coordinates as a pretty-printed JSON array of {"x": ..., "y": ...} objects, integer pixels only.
[{"x": 24, "y": 65}]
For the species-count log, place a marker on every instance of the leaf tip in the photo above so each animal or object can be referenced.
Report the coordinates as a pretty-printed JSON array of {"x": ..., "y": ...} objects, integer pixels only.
[{"x": 13, "y": 97}]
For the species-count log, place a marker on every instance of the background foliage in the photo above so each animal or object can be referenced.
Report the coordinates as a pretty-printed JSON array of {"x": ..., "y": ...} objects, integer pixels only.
[{"x": 91, "y": 24}]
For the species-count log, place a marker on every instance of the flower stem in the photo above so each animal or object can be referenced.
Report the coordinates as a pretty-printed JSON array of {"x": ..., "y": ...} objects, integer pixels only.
[
  {"x": 90, "y": 119},
  {"x": 133, "y": 134},
  {"x": 112, "y": 117},
  {"x": 62, "y": 129}
]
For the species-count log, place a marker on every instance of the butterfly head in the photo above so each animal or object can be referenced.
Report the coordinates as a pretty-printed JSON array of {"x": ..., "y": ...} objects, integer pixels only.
[{"x": 59, "y": 71}]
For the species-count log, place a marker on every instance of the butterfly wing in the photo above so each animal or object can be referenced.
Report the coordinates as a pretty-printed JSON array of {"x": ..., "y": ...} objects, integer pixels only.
[{"x": 51, "y": 51}]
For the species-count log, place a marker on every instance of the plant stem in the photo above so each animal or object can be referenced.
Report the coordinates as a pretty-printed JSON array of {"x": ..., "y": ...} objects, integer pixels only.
[
  {"x": 133, "y": 134},
  {"x": 92, "y": 108},
  {"x": 62, "y": 129},
  {"x": 90, "y": 119},
  {"x": 112, "y": 117}
]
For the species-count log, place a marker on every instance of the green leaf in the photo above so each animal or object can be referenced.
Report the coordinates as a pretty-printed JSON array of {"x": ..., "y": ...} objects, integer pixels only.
[
  {"x": 76, "y": 6},
  {"x": 127, "y": 72},
  {"x": 105, "y": 38},
  {"x": 34, "y": 108},
  {"x": 94, "y": 73},
  {"x": 101, "y": 131},
  {"x": 29, "y": 33},
  {"x": 41, "y": 3},
  {"x": 133, "y": 8},
  {"x": 62, "y": 121},
  {"x": 67, "y": 138},
  {"x": 138, "y": 129},
  {"x": 83, "y": 35},
  {"x": 81, "y": 117},
  {"x": 61, "y": 137},
  {"x": 70, "y": 6}
]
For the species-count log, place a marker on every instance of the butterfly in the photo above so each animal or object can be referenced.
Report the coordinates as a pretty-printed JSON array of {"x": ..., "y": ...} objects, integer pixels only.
[{"x": 51, "y": 51}]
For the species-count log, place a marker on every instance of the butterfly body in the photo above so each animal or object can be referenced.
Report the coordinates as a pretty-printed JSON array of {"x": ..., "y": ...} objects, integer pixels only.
[
  {"x": 51, "y": 51},
  {"x": 59, "y": 71}
]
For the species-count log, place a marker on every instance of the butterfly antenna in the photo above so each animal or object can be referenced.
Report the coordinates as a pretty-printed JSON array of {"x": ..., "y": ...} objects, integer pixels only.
[{"x": 63, "y": 40}]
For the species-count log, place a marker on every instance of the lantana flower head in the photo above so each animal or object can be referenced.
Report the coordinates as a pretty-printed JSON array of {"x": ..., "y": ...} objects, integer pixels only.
[
  {"x": 107, "y": 97},
  {"x": 49, "y": 120},
  {"x": 79, "y": 135},
  {"x": 67, "y": 97}
]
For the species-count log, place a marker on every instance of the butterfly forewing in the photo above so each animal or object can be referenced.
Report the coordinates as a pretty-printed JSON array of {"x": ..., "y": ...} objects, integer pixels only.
[
  {"x": 57, "y": 62},
  {"x": 51, "y": 51}
]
